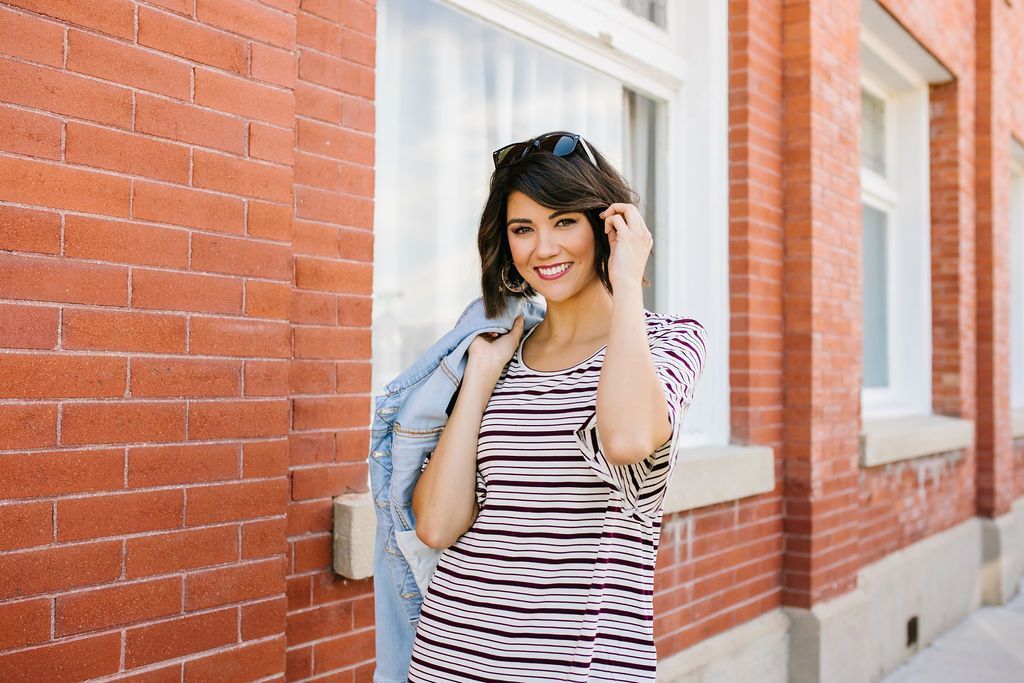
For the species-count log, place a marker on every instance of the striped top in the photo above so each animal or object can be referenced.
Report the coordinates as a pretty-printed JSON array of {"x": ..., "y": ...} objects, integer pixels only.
[{"x": 555, "y": 578}]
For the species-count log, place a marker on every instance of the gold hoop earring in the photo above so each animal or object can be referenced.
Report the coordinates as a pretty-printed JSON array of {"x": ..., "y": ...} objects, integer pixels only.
[{"x": 518, "y": 289}]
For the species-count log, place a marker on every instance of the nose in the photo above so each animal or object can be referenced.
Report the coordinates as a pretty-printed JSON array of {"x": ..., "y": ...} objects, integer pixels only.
[{"x": 547, "y": 246}]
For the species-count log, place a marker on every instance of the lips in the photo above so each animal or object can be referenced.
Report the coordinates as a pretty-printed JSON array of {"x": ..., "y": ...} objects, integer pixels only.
[{"x": 567, "y": 267}]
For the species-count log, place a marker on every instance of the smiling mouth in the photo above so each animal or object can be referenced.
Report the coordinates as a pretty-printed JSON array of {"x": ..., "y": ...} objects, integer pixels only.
[{"x": 555, "y": 272}]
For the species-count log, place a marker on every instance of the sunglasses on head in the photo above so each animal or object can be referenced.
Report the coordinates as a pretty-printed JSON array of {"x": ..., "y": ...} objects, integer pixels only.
[{"x": 559, "y": 143}]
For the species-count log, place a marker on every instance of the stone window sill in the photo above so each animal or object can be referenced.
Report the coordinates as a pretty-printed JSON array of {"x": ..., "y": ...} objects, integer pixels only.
[
  {"x": 708, "y": 475},
  {"x": 892, "y": 439}
]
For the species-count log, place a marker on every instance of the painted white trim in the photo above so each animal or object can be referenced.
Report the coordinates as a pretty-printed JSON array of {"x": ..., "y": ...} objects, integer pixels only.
[{"x": 913, "y": 58}]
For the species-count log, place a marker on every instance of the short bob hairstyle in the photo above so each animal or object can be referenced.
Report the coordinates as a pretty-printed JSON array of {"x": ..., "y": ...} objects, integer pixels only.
[{"x": 569, "y": 183}]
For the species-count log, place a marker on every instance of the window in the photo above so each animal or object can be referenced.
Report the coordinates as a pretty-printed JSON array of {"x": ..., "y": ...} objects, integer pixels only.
[
  {"x": 458, "y": 78},
  {"x": 896, "y": 226},
  {"x": 1017, "y": 277}
]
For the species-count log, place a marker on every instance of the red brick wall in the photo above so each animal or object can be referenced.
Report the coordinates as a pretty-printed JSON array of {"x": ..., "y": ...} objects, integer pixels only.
[{"x": 185, "y": 211}]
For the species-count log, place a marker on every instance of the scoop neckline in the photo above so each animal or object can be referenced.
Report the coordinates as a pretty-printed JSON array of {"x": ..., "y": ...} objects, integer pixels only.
[{"x": 522, "y": 363}]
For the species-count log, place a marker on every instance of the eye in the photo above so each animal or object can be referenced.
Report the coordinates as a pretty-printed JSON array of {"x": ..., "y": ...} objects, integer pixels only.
[
  {"x": 571, "y": 221},
  {"x": 516, "y": 230}
]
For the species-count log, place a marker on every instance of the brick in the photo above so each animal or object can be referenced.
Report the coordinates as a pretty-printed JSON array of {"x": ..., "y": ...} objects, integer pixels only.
[
  {"x": 62, "y": 92},
  {"x": 312, "y": 377},
  {"x": 298, "y": 663},
  {"x": 187, "y": 123},
  {"x": 235, "y": 337},
  {"x": 42, "y": 183},
  {"x": 157, "y": 289},
  {"x": 125, "y": 242},
  {"x": 25, "y": 623},
  {"x": 181, "y": 550},
  {"x": 237, "y": 583},
  {"x": 60, "y": 376},
  {"x": 127, "y": 64},
  {"x": 310, "y": 447},
  {"x": 23, "y": 525},
  {"x": 60, "y": 568},
  {"x": 187, "y": 464},
  {"x": 234, "y": 95},
  {"x": 122, "y": 513},
  {"x": 28, "y": 327},
  {"x": 28, "y": 133},
  {"x": 191, "y": 40},
  {"x": 188, "y": 207},
  {"x": 122, "y": 331},
  {"x": 359, "y": 47},
  {"x": 337, "y": 412},
  {"x": 29, "y": 230},
  {"x": 185, "y": 377},
  {"x": 272, "y": 143},
  {"x": 122, "y": 422},
  {"x": 178, "y": 637},
  {"x": 347, "y": 650},
  {"x": 248, "y": 19},
  {"x": 91, "y": 610},
  {"x": 214, "y": 171},
  {"x": 238, "y": 501},
  {"x": 264, "y": 538},
  {"x": 313, "y": 204},
  {"x": 59, "y": 473},
  {"x": 268, "y": 299},
  {"x": 113, "y": 17},
  {"x": 314, "y": 308},
  {"x": 115, "y": 150},
  {"x": 313, "y": 553},
  {"x": 222, "y": 254},
  {"x": 238, "y": 419},
  {"x": 335, "y": 343},
  {"x": 316, "y": 102},
  {"x": 315, "y": 239},
  {"x": 266, "y": 378},
  {"x": 265, "y": 459},
  {"x": 47, "y": 279},
  {"x": 167, "y": 674},
  {"x": 263, "y": 619},
  {"x": 28, "y": 425},
  {"x": 324, "y": 481},
  {"x": 247, "y": 662},
  {"x": 273, "y": 65},
  {"x": 319, "y": 622},
  {"x": 270, "y": 221},
  {"x": 345, "y": 277},
  {"x": 353, "y": 377},
  {"x": 337, "y": 74},
  {"x": 75, "y": 660},
  {"x": 31, "y": 38},
  {"x": 318, "y": 171},
  {"x": 313, "y": 31}
]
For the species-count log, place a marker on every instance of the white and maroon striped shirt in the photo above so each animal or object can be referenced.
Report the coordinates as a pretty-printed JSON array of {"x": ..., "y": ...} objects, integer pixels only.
[{"x": 554, "y": 581}]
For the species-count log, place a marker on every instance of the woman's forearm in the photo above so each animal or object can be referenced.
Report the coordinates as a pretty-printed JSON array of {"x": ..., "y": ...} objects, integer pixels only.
[
  {"x": 632, "y": 411},
  {"x": 444, "y": 501}
]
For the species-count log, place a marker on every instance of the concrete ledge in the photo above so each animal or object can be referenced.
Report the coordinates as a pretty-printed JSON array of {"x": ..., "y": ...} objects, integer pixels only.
[
  {"x": 1002, "y": 555},
  {"x": 709, "y": 475},
  {"x": 885, "y": 440},
  {"x": 1018, "y": 423},
  {"x": 756, "y": 650},
  {"x": 716, "y": 474},
  {"x": 355, "y": 526}
]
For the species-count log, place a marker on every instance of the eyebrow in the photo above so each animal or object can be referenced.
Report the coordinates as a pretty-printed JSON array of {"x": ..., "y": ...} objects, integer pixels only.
[{"x": 527, "y": 220}]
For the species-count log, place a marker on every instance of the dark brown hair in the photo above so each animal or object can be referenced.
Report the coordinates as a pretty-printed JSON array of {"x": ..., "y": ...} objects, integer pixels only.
[{"x": 569, "y": 183}]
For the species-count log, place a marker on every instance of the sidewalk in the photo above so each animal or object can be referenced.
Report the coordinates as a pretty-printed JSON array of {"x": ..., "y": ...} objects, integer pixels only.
[{"x": 987, "y": 647}]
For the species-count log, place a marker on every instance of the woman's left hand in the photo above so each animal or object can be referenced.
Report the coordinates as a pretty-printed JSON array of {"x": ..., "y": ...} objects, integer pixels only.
[{"x": 630, "y": 242}]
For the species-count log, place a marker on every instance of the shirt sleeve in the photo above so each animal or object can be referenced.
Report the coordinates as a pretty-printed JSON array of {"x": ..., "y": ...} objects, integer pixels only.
[{"x": 678, "y": 349}]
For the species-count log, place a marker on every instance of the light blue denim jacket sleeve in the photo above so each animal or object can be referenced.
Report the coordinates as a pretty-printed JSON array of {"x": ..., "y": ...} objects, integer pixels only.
[{"x": 407, "y": 422}]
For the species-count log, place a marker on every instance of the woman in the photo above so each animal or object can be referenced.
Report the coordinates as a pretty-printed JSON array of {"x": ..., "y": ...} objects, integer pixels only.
[{"x": 547, "y": 483}]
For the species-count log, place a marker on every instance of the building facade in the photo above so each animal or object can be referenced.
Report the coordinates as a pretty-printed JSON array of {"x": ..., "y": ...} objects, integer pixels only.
[{"x": 225, "y": 223}]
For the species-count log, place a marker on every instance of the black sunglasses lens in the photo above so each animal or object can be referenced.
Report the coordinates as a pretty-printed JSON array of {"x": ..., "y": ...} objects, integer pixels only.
[{"x": 564, "y": 146}]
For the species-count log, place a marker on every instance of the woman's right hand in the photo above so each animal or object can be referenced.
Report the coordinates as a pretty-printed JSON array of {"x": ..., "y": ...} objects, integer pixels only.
[{"x": 491, "y": 351}]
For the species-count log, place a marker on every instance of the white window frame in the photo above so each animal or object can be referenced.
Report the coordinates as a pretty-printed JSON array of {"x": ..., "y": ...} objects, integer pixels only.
[
  {"x": 685, "y": 65},
  {"x": 1017, "y": 276},
  {"x": 903, "y": 194}
]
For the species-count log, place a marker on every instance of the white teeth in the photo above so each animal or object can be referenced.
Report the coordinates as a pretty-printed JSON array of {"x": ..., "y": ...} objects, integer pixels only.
[{"x": 554, "y": 271}]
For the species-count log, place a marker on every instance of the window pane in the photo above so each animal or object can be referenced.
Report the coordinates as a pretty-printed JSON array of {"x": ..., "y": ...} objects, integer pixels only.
[
  {"x": 651, "y": 10},
  {"x": 640, "y": 157},
  {"x": 451, "y": 89},
  {"x": 876, "y": 328},
  {"x": 872, "y": 136}
]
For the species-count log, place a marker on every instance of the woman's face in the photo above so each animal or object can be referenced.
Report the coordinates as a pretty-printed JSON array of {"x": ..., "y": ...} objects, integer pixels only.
[{"x": 540, "y": 238}]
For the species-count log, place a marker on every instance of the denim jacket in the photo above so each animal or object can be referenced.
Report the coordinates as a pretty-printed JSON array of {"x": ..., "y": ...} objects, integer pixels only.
[{"x": 407, "y": 423}]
